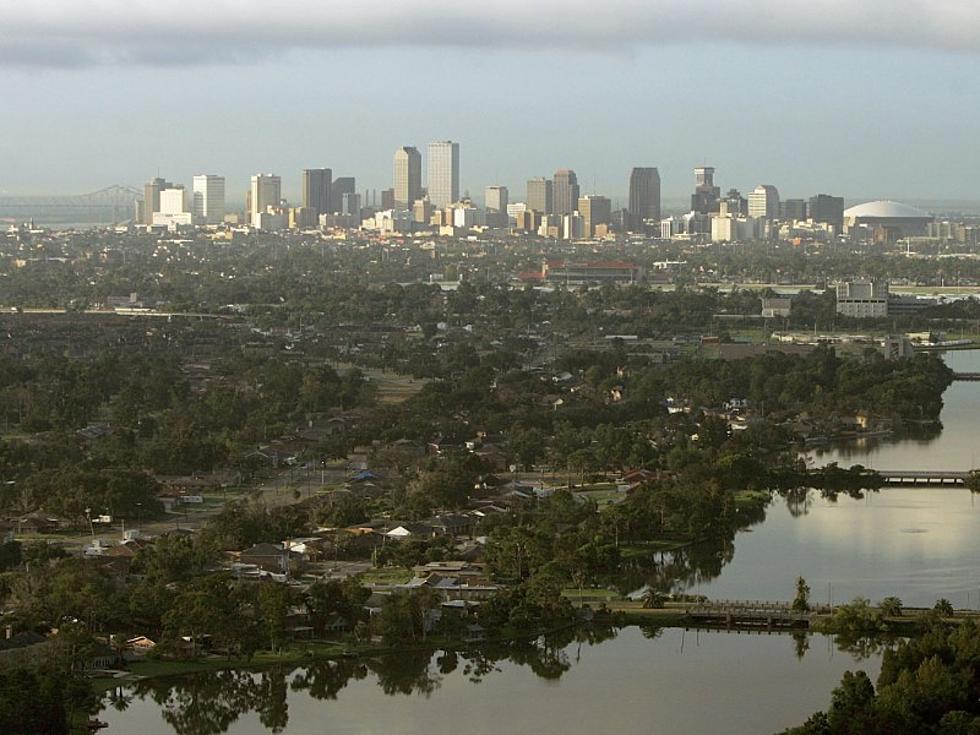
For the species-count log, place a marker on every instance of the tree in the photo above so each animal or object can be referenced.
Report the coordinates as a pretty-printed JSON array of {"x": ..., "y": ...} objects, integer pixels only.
[
  {"x": 801, "y": 603},
  {"x": 944, "y": 607},
  {"x": 273, "y": 608},
  {"x": 652, "y": 599},
  {"x": 851, "y": 703},
  {"x": 891, "y": 607}
]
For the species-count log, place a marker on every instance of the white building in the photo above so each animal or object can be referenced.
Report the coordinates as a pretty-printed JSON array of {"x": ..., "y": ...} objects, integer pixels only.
[
  {"x": 173, "y": 209},
  {"x": 266, "y": 192},
  {"x": 209, "y": 199},
  {"x": 443, "y": 175},
  {"x": 465, "y": 216},
  {"x": 764, "y": 202}
]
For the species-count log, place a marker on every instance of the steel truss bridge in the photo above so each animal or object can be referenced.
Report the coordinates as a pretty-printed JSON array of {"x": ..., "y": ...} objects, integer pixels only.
[{"x": 110, "y": 205}]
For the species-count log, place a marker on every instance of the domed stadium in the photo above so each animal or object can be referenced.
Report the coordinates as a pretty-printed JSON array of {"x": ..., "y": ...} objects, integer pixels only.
[{"x": 885, "y": 221}]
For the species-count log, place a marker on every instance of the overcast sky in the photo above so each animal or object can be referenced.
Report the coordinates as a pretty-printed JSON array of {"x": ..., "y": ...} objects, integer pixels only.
[{"x": 868, "y": 98}]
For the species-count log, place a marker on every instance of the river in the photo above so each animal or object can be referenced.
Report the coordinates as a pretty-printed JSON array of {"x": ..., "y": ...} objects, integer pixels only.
[{"x": 678, "y": 683}]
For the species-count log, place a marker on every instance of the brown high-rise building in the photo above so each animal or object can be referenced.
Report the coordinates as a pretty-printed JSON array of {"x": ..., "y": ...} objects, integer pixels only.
[
  {"x": 540, "y": 195},
  {"x": 566, "y": 191},
  {"x": 595, "y": 210},
  {"x": 644, "y": 207}
]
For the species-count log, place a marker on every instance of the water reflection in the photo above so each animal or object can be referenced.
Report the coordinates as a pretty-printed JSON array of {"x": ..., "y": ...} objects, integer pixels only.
[
  {"x": 950, "y": 445},
  {"x": 279, "y": 699}
]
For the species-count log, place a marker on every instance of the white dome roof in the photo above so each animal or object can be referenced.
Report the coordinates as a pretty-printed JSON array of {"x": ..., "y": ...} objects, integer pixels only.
[{"x": 885, "y": 210}]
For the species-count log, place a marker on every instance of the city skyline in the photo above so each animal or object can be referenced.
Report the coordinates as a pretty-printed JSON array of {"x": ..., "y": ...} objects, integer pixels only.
[{"x": 820, "y": 70}]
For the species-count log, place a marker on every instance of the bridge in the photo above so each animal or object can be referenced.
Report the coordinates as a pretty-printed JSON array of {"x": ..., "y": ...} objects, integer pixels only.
[
  {"x": 967, "y": 377},
  {"x": 935, "y": 478},
  {"x": 106, "y": 206},
  {"x": 751, "y": 615}
]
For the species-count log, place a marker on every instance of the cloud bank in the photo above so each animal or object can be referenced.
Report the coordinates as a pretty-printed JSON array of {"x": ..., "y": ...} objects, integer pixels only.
[{"x": 70, "y": 33}]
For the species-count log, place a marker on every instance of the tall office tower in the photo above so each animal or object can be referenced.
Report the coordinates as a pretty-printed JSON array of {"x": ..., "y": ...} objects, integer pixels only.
[
  {"x": 496, "y": 199},
  {"x": 644, "y": 198},
  {"x": 566, "y": 191},
  {"x": 793, "y": 209},
  {"x": 316, "y": 190},
  {"x": 540, "y": 195},
  {"x": 764, "y": 202},
  {"x": 736, "y": 204},
  {"x": 340, "y": 186},
  {"x": 706, "y": 195},
  {"x": 209, "y": 199},
  {"x": 266, "y": 192},
  {"x": 828, "y": 209},
  {"x": 151, "y": 197},
  {"x": 595, "y": 210},
  {"x": 408, "y": 177},
  {"x": 443, "y": 176}
]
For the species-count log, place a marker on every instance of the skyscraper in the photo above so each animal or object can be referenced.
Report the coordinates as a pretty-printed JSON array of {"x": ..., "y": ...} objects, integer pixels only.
[
  {"x": 793, "y": 209},
  {"x": 566, "y": 191},
  {"x": 828, "y": 209},
  {"x": 408, "y": 177},
  {"x": 209, "y": 199},
  {"x": 443, "y": 173},
  {"x": 764, "y": 202},
  {"x": 266, "y": 192},
  {"x": 705, "y": 198},
  {"x": 595, "y": 210},
  {"x": 644, "y": 205},
  {"x": 540, "y": 195},
  {"x": 151, "y": 197},
  {"x": 496, "y": 199},
  {"x": 316, "y": 190},
  {"x": 340, "y": 186}
]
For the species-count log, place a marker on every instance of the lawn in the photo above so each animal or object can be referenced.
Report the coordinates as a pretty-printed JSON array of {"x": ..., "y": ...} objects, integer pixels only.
[{"x": 388, "y": 575}]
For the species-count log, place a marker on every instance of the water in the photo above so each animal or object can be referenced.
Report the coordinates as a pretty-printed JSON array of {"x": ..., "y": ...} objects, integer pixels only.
[
  {"x": 675, "y": 684},
  {"x": 956, "y": 447},
  {"x": 918, "y": 544}
]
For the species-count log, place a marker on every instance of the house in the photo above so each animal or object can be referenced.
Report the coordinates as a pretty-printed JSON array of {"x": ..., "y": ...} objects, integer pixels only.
[
  {"x": 269, "y": 557},
  {"x": 140, "y": 645},
  {"x": 35, "y": 523},
  {"x": 452, "y": 524},
  {"x": 411, "y": 530}
]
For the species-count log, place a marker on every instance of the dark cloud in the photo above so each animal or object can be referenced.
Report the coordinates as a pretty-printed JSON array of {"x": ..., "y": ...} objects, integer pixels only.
[{"x": 68, "y": 33}]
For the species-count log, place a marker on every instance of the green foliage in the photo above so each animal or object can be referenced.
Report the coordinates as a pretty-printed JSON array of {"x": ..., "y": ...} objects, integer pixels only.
[
  {"x": 34, "y": 702},
  {"x": 927, "y": 685}
]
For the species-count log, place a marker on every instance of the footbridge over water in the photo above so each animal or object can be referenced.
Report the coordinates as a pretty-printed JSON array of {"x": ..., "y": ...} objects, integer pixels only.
[
  {"x": 933, "y": 478},
  {"x": 751, "y": 615}
]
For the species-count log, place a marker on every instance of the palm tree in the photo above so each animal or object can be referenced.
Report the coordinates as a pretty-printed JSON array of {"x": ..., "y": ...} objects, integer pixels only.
[{"x": 652, "y": 599}]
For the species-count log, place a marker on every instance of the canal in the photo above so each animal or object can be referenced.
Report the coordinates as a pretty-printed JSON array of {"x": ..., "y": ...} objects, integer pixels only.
[{"x": 677, "y": 683}]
